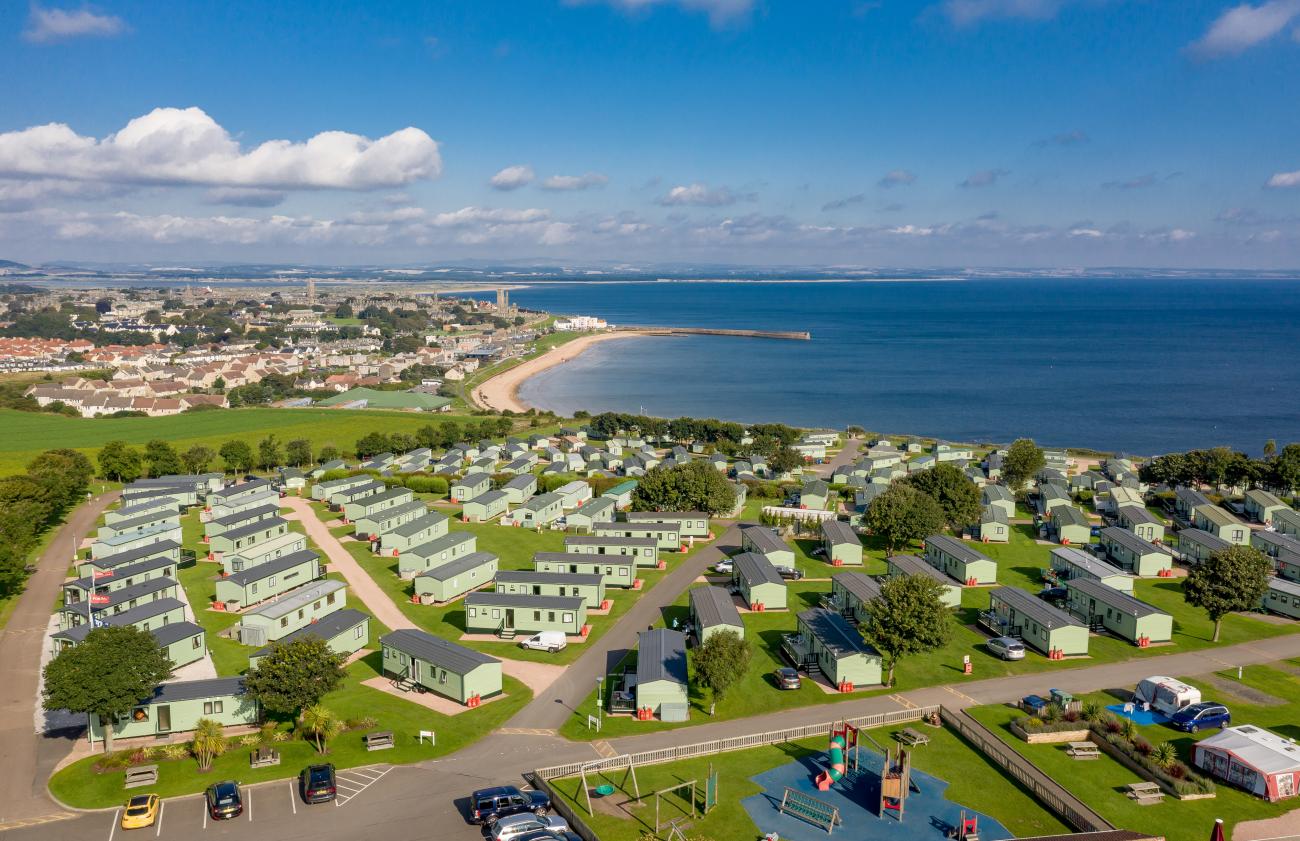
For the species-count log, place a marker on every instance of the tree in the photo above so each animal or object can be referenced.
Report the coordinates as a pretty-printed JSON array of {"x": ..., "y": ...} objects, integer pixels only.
[
  {"x": 298, "y": 452},
  {"x": 1231, "y": 579},
  {"x": 162, "y": 458},
  {"x": 208, "y": 743},
  {"x": 65, "y": 474},
  {"x": 721, "y": 661},
  {"x": 295, "y": 675},
  {"x": 328, "y": 453},
  {"x": 956, "y": 494},
  {"x": 784, "y": 460},
  {"x": 1286, "y": 468},
  {"x": 322, "y": 724},
  {"x": 902, "y": 514},
  {"x": 237, "y": 455},
  {"x": 1270, "y": 448},
  {"x": 694, "y": 486},
  {"x": 1022, "y": 462},
  {"x": 197, "y": 458},
  {"x": 372, "y": 445},
  {"x": 107, "y": 675},
  {"x": 269, "y": 454},
  {"x": 343, "y": 310},
  {"x": 908, "y": 617},
  {"x": 119, "y": 462}
]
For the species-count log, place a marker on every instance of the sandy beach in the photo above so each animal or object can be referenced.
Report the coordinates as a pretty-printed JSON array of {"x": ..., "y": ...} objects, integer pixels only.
[{"x": 501, "y": 393}]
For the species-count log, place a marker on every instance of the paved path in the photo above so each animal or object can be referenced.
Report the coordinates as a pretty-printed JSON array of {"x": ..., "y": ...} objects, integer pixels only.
[
  {"x": 847, "y": 455},
  {"x": 359, "y": 581},
  {"x": 552, "y": 708},
  {"x": 28, "y": 758}
]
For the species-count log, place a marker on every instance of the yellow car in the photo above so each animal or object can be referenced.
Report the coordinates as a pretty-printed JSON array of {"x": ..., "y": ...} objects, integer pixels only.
[{"x": 140, "y": 811}]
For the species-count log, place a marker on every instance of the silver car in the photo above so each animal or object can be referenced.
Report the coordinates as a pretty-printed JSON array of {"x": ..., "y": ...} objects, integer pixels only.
[
  {"x": 1008, "y": 648},
  {"x": 516, "y": 825}
]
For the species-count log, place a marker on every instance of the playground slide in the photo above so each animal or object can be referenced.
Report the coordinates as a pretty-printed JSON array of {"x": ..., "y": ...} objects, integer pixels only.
[{"x": 836, "y": 771}]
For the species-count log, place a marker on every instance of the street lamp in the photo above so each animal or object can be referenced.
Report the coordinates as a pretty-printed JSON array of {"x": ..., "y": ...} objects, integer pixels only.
[{"x": 600, "y": 697}]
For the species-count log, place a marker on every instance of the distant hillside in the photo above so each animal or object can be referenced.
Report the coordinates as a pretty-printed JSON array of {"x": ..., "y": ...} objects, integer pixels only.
[{"x": 10, "y": 264}]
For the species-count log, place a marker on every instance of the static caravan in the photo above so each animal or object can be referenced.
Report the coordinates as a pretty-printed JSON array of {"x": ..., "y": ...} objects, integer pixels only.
[
  {"x": 760, "y": 585},
  {"x": 841, "y": 544},
  {"x": 1141, "y": 522},
  {"x": 827, "y": 643},
  {"x": 485, "y": 507},
  {"x": 999, "y": 496},
  {"x": 345, "y": 631},
  {"x": 711, "y": 610},
  {"x": 661, "y": 675},
  {"x": 667, "y": 536},
  {"x": 765, "y": 541},
  {"x": 231, "y": 496},
  {"x": 221, "y": 525},
  {"x": 1070, "y": 525},
  {"x": 1133, "y": 554},
  {"x": 1261, "y": 505},
  {"x": 118, "y": 544},
  {"x": 1287, "y": 521},
  {"x": 375, "y": 526},
  {"x": 441, "y": 666},
  {"x": 520, "y": 489},
  {"x": 689, "y": 523},
  {"x": 950, "y": 594},
  {"x": 1283, "y": 597},
  {"x": 139, "y": 509},
  {"x": 169, "y": 549},
  {"x": 588, "y": 586},
  {"x": 599, "y": 510},
  {"x": 102, "y": 605},
  {"x": 263, "y": 498},
  {"x": 574, "y": 494},
  {"x": 1016, "y": 613},
  {"x": 324, "y": 491},
  {"x": 455, "y": 578},
  {"x": 1275, "y": 545},
  {"x": 471, "y": 486},
  {"x": 1052, "y": 496},
  {"x": 176, "y": 707},
  {"x": 1120, "y": 613},
  {"x": 852, "y": 593},
  {"x": 507, "y": 614},
  {"x": 644, "y": 549},
  {"x": 250, "y": 534},
  {"x": 341, "y": 498},
  {"x": 291, "y": 612},
  {"x": 541, "y": 510},
  {"x": 268, "y": 580},
  {"x": 369, "y": 507},
  {"x": 135, "y": 525},
  {"x": 615, "y": 570},
  {"x": 622, "y": 494},
  {"x": 815, "y": 495},
  {"x": 959, "y": 561},
  {"x": 1221, "y": 523},
  {"x": 428, "y": 526},
  {"x": 1186, "y": 500},
  {"x": 1195, "y": 546},
  {"x": 1262, "y": 762},
  {"x": 276, "y": 547},
  {"x": 182, "y": 641},
  {"x": 435, "y": 553},
  {"x": 1072, "y": 564},
  {"x": 994, "y": 526},
  {"x": 99, "y": 584}
]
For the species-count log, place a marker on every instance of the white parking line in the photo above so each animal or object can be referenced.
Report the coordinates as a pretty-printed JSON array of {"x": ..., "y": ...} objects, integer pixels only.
[
  {"x": 368, "y": 777},
  {"x": 162, "y": 807},
  {"x": 293, "y": 799},
  {"x": 205, "y": 815},
  {"x": 250, "y": 805},
  {"x": 113, "y": 828}
]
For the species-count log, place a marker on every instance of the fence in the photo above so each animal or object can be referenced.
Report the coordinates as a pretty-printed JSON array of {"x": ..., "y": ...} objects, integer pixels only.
[{"x": 1065, "y": 805}]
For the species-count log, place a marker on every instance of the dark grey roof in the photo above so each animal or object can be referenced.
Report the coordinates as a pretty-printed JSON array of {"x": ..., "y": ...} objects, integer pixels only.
[
  {"x": 1117, "y": 599},
  {"x": 956, "y": 548},
  {"x": 400, "y": 510},
  {"x": 155, "y": 517},
  {"x": 175, "y": 632},
  {"x": 327, "y": 627},
  {"x": 359, "y": 491},
  {"x": 994, "y": 514},
  {"x": 256, "y": 527},
  {"x": 274, "y": 567},
  {"x": 436, "y": 650},
  {"x": 837, "y": 531},
  {"x": 1277, "y": 540},
  {"x": 454, "y": 538},
  {"x": 585, "y": 557},
  {"x": 522, "y": 481},
  {"x": 144, "y": 588},
  {"x": 1033, "y": 607},
  {"x": 713, "y": 606},
  {"x": 242, "y": 489},
  {"x": 486, "y": 498},
  {"x": 862, "y": 586},
  {"x": 756, "y": 569},
  {"x": 1284, "y": 585},
  {"x": 661, "y": 655},
  {"x": 249, "y": 515},
  {"x": 139, "y": 613},
  {"x": 912, "y": 565},
  {"x": 1210, "y": 541},
  {"x": 147, "y": 507},
  {"x": 460, "y": 565},
  {"x": 1138, "y": 514},
  {"x": 835, "y": 633},
  {"x": 1068, "y": 515},
  {"x": 418, "y": 525},
  {"x": 764, "y": 538},
  {"x": 194, "y": 690},
  {"x": 663, "y": 516},
  {"x": 525, "y": 600},
  {"x": 650, "y": 527},
  {"x": 88, "y": 581},
  {"x": 299, "y": 597},
  {"x": 525, "y": 576},
  {"x": 541, "y": 501},
  {"x": 1088, "y": 562},
  {"x": 1191, "y": 497},
  {"x": 385, "y": 496},
  {"x": 608, "y": 540},
  {"x": 1129, "y": 540}
]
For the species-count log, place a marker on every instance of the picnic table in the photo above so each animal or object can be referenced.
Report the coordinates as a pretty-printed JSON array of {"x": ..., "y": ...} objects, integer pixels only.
[
  {"x": 1083, "y": 750},
  {"x": 1146, "y": 793},
  {"x": 912, "y": 738},
  {"x": 263, "y": 757}
]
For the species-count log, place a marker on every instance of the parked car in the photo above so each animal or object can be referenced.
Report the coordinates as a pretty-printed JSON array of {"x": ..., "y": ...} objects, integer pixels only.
[
  {"x": 140, "y": 811},
  {"x": 723, "y": 566},
  {"x": 551, "y": 641},
  {"x": 316, "y": 783},
  {"x": 789, "y": 573},
  {"x": 547, "y": 835},
  {"x": 510, "y": 828},
  {"x": 1008, "y": 648},
  {"x": 1200, "y": 716},
  {"x": 1054, "y": 595},
  {"x": 224, "y": 801},
  {"x": 489, "y": 805},
  {"x": 788, "y": 678}
]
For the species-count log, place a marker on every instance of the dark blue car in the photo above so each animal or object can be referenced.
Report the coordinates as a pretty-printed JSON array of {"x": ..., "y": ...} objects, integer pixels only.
[{"x": 1200, "y": 716}]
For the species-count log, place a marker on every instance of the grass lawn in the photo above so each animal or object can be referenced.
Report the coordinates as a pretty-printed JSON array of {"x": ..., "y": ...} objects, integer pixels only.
[
  {"x": 1099, "y": 783},
  {"x": 79, "y": 785},
  {"x": 973, "y": 782}
]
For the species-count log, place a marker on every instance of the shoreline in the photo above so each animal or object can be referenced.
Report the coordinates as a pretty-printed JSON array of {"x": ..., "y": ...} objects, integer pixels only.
[{"x": 500, "y": 393}]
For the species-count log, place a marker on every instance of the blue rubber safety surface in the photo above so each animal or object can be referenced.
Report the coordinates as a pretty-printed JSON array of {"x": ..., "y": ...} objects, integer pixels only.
[
  {"x": 1145, "y": 718},
  {"x": 928, "y": 814}
]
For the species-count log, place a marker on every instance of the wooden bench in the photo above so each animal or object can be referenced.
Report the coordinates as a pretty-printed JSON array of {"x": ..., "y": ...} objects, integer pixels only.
[
  {"x": 912, "y": 738},
  {"x": 141, "y": 775},
  {"x": 379, "y": 740},
  {"x": 1145, "y": 793},
  {"x": 1083, "y": 750},
  {"x": 263, "y": 757}
]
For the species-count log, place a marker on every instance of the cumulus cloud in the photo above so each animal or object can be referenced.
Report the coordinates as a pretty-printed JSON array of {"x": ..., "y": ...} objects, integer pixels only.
[
  {"x": 896, "y": 178},
  {"x": 847, "y": 201},
  {"x": 1245, "y": 26},
  {"x": 186, "y": 146},
  {"x": 243, "y": 197},
  {"x": 512, "y": 177},
  {"x": 701, "y": 195},
  {"x": 984, "y": 178},
  {"x": 966, "y": 12},
  {"x": 46, "y": 26},
  {"x": 720, "y": 12},
  {"x": 1285, "y": 179},
  {"x": 1075, "y": 137},
  {"x": 575, "y": 182}
]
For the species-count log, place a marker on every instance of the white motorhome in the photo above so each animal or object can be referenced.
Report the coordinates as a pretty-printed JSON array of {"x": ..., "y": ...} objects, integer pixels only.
[{"x": 1165, "y": 694}]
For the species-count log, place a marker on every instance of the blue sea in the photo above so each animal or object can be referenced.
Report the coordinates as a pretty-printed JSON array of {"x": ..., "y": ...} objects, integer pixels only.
[{"x": 1141, "y": 366}]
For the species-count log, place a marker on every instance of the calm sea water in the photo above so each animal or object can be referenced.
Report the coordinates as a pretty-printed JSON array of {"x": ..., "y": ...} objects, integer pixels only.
[{"x": 1143, "y": 366}]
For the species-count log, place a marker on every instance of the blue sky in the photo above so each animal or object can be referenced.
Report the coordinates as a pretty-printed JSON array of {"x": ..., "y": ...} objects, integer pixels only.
[{"x": 935, "y": 132}]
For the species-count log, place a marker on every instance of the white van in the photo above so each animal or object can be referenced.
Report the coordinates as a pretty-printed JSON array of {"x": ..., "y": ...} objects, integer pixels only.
[
  {"x": 1165, "y": 694},
  {"x": 551, "y": 641}
]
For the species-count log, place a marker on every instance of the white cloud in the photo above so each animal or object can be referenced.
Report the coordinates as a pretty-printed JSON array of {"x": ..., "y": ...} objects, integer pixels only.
[
  {"x": 575, "y": 182},
  {"x": 45, "y": 26},
  {"x": 512, "y": 177},
  {"x": 1285, "y": 179},
  {"x": 966, "y": 12},
  {"x": 186, "y": 146},
  {"x": 700, "y": 195},
  {"x": 984, "y": 178},
  {"x": 1087, "y": 233},
  {"x": 847, "y": 201},
  {"x": 720, "y": 12},
  {"x": 897, "y": 178},
  {"x": 1244, "y": 26},
  {"x": 243, "y": 197}
]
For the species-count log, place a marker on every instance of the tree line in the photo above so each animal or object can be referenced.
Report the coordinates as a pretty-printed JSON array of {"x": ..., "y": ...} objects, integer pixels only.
[
  {"x": 1222, "y": 466},
  {"x": 34, "y": 502}
]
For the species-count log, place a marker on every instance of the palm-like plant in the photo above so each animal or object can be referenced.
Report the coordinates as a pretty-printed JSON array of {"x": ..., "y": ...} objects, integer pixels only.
[
  {"x": 209, "y": 742},
  {"x": 322, "y": 724},
  {"x": 1164, "y": 755},
  {"x": 1091, "y": 711},
  {"x": 1128, "y": 729}
]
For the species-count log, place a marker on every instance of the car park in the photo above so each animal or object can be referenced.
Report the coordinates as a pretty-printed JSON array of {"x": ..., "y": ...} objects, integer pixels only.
[
  {"x": 788, "y": 678},
  {"x": 489, "y": 805},
  {"x": 224, "y": 800},
  {"x": 316, "y": 783},
  {"x": 1008, "y": 648},
  {"x": 140, "y": 811},
  {"x": 513, "y": 826},
  {"x": 1201, "y": 716}
]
